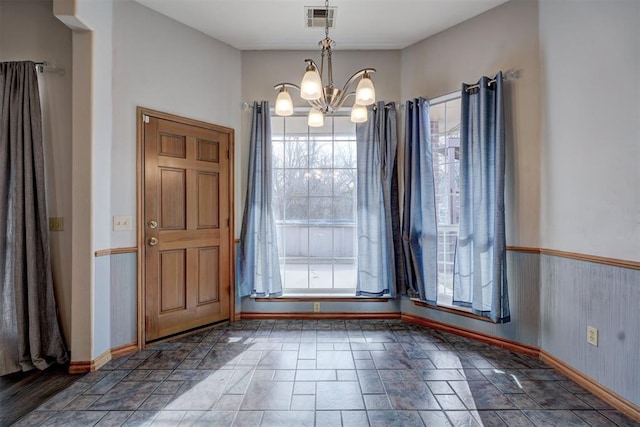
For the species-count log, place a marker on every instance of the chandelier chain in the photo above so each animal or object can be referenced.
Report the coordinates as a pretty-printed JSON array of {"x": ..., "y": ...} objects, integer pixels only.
[{"x": 326, "y": 19}]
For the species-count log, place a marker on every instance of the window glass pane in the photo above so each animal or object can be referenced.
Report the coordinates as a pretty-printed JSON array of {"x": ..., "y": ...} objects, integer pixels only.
[
  {"x": 320, "y": 182},
  {"x": 314, "y": 185},
  {"x": 321, "y": 152}
]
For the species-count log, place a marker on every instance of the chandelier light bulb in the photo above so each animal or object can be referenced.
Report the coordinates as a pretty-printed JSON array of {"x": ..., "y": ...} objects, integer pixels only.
[
  {"x": 311, "y": 86},
  {"x": 365, "y": 92},
  {"x": 315, "y": 119},
  {"x": 284, "y": 104},
  {"x": 358, "y": 113}
]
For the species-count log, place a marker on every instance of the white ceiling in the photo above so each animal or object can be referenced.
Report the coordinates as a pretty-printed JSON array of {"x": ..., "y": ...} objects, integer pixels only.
[{"x": 360, "y": 24}]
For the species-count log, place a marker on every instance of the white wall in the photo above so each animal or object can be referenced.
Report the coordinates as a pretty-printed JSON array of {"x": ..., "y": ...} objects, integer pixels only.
[
  {"x": 167, "y": 66},
  {"x": 29, "y": 31},
  {"x": 504, "y": 38},
  {"x": 590, "y": 54}
]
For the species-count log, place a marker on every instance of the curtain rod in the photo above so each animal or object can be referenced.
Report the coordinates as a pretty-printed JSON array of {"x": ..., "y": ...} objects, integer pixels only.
[
  {"x": 508, "y": 75},
  {"x": 45, "y": 67}
]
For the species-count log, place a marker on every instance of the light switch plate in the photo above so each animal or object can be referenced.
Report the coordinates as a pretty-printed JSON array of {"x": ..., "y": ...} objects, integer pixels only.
[
  {"x": 56, "y": 223},
  {"x": 121, "y": 222}
]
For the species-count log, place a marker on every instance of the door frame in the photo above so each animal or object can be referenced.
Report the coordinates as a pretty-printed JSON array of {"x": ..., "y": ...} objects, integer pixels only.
[{"x": 141, "y": 244}]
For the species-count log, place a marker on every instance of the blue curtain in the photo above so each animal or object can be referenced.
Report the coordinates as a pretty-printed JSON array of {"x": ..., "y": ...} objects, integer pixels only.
[
  {"x": 419, "y": 225},
  {"x": 259, "y": 267},
  {"x": 377, "y": 143},
  {"x": 480, "y": 272}
]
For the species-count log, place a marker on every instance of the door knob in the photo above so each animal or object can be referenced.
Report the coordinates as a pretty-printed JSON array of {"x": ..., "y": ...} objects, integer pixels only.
[
  {"x": 153, "y": 241},
  {"x": 152, "y": 224}
]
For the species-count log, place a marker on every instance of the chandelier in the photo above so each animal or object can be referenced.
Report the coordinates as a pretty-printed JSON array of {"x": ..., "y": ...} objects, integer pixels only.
[{"x": 326, "y": 98}]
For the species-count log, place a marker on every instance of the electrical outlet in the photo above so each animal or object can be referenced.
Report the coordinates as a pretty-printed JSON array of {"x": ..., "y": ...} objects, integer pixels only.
[
  {"x": 121, "y": 222},
  {"x": 592, "y": 336},
  {"x": 56, "y": 223},
  {"x": 316, "y": 307}
]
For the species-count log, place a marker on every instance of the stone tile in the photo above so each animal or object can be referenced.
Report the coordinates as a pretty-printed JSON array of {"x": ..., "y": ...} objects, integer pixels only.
[
  {"x": 238, "y": 382},
  {"x": 35, "y": 418},
  {"x": 376, "y": 401},
  {"x": 347, "y": 375},
  {"x": 158, "y": 375},
  {"x": 514, "y": 418},
  {"x": 82, "y": 402},
  {"x": 228, "y": 402},
  {"x": 268, "y": 395},
  {"x": 155, "y": 402},
  {"x": 481, "y": 395},
  {"x": 303, "y": 402},
  {"x": 278, "y": 360},
  {"x": 306, "y": 364},
  {"x": 593, "y": 401},
  {"x": 410, "y": 395},
  {"x": 364, "y": 364},
  {"x": 334, "y": 360},
  {"x": 127, "y": 395},
  {"x": 284, "y": 375},
  {"x": 399, "y": 375},
  {"x": 338, "y": 395},
  {"x": 317, "y": 375},
  {"x": 77, "y": 418},
  {"x": 141, "y": 418},
  {"x": 370, "y": 381},
  {"x": 361, "y": 355},
  {"x": 619, "y": 418},
  {"x": 168, "y": 387},
  {"x": 288, "y": 419},
  {"x": 440, "y": 387},
  {"x": 522, "y": 401},
  {"x": 168, "y": 359},
  {"x": 391, "y": 360},
  {"x": 354, "y": 419},
  {"x": 248, "y": 419},
  {"x": 594, "y": 418},
  {"x": 450, "y": 402},
  {"x": 108, "y": 382},
  {"x": 445, "y": 359},
  {"x": 543, "y": 374},
  {"x": 463, "y": 418},
  {"x": 554, "y": 418},
  {"x": 114, "y": 419},
  {"x": 304, "y": 387},
  {"x": 328, "y": 419},
  {"x": 442, "y": 375},
  {"x": 197, "y": 395},
  {"x": 395, "y": 419},
  {"x": 217, "y": 359},
  {"x": 168, "y": 418},
  {"x": 307, "y": 350},
  {"x": 435, "y": 418}
]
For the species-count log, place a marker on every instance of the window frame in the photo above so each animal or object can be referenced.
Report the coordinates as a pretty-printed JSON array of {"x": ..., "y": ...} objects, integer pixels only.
[{"x": 308, "y": 292}]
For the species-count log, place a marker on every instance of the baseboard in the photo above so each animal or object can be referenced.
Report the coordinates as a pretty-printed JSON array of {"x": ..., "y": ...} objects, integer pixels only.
[
  {"x": 86, "y": 366},
  {"x": 124, "y": 350},
  {"x": 478, "y": 336},
  {"x": 589, "y": 384},
  {"x": 318, "y": 316}
]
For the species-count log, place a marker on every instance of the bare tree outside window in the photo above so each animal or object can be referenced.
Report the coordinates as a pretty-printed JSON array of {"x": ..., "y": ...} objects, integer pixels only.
[{"x": 314, "y": 189}]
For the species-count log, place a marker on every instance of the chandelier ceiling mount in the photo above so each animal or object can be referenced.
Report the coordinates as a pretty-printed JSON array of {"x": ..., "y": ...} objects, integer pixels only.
[{"x": 326, "y": 98}]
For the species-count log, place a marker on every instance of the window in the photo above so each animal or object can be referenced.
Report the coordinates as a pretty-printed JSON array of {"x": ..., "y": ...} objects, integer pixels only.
[
  {"x": 445, "y": 140},
  {"x": 314, "y": 202}
]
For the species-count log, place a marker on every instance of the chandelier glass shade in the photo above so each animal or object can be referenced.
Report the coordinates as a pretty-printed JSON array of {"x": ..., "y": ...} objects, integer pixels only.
[{"x": 326, "y": 98}]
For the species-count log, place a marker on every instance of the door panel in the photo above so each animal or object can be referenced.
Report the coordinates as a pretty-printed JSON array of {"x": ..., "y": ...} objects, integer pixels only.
[{"x": 187, "y": 254}]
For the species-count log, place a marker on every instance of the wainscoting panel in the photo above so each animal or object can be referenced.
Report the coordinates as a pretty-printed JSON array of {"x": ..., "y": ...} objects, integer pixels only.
[
  {"x": 580, "y": 293},
  {"x": 523, "y": 275},
  {"x": 101, "y": 303},
  {"x": 124, "y": 299}
]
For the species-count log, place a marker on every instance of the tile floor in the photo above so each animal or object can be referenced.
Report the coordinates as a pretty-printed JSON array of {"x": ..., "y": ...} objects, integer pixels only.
[{"x": 325, "y": 373}]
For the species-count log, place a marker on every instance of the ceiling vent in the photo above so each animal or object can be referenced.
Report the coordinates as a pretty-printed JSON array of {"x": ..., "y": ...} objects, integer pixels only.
[{"x": 316, "y": 16}]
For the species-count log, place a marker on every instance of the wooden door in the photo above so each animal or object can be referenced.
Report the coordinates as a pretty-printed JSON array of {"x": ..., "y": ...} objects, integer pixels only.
[{"x": 187, "y": 226}]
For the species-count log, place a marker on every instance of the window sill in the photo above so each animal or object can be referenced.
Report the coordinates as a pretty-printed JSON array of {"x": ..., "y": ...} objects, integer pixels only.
[
  {"x": 322, "y": 298},
  {"x": 460, "y": 311}
]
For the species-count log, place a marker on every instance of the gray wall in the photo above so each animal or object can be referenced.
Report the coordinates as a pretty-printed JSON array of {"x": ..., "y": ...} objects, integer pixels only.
[
  {"x": 504, "y": 38},
  {"x": 590, "y": 57},
  {"x": 29, "y": 31}
]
